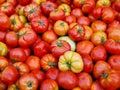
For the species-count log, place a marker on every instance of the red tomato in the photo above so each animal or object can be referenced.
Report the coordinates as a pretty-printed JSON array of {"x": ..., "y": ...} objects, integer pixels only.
[
  {"x": 3, "y": 86},
  {"x": 39, "y": 75},
  {"x": 13, "y": 2},
  {"x": 116, "y": 5},
  {"x": 40, "y": 24},
  {"x": 3, "y": 63},
  {"x": 27, "y": 82},
  {"x": 78, "y": 3},
  {"x": 96, "y": 86},
  {"x": 52, "y": 73},
  {"x": 70, "y": 19},
  {"x": 48, "y": 61},
  {"x": 2, "y": 36},
  {"x": 59, "y": 47},
  {"x": 67, "y": 80},
  {"x": 84, "y": 47},
  {"x": 49, "y": 84},
  {"x": 27, "y": 51},
  {"x": 41, "y": 48},
  {"x": 4, "y": 22},
  {"x": 99, "y": 68},
  {"x": 77, "y": 12},
  {"x": 33, "y": 62},
  {"x": 9, "y": 75},
  {"x": 99, "y": 53},
  {"x": 84, "y": 81},
  {"x": 88, "y": 63},
  {"x": 24, "y": 2}
]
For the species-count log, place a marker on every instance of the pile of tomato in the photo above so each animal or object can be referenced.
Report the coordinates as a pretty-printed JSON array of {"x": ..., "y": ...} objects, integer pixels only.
[{"x": 59, "y": 44}]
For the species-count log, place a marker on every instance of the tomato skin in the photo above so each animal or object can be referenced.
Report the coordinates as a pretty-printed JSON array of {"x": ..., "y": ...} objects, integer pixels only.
[
  {"x": 33, "y": 62},
  {"x": 67, "y": 80},
  {"x": 24, "y": 2},
  {"x": 4, "y": 22},
  {"x": 96, "y": 86},
  {"x": 116, "y": 5},
  {"x": 77, "y": 12},
  {"x": 52, "y": 73},
  {"x": 104, "y": 3},
  {"x": 2, "y": 36},
  {"x": 13, "y": 2},
  {"x": 59, "y": 47},
  {"x": 78, "y": 3},
  {"x": 27, "y": 82},
  {"x": 114, "y": 34},
  {"x": 3, "y": 63},
  {"x": 84, "y": 81},
  {"x": 39, "y": 75},
  {"x": 84, "y": 47},
  {"x": 83, "y": 20},
  {"x": 40, "y": 24},
  {"x": 41, "y": 48},
  {"x": 48, "y": 61},
  {"x": 70, "y": 19},
  {"x": 99, "y": 68},
  {"x": 9, "y": 75},
  {"x": 3, "y": 86},
  {"x": 49, "y": 84},
  {"x": 3, "y": 49}
]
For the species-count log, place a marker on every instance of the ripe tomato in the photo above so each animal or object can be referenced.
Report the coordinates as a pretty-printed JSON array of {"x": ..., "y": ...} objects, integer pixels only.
[
  {"x": 48, "y": 61},
  {"x": 67, "y": 80},
  {"x": 99, "y": 68},
  {"x": 3, "y": 86},
  {"x": 2, "y": 36},
  {"x": 33, "y": 62},
  {"x": 40, "y": 24},
  {"x": 41, "y": 48},
  {"x": 24, "y": 2},
  {"x": 78, "y": 3},
  {"x": 52, "y": 73},
  {"x": 59, "y": 47},
  {"x": 13, "y": 2},
  {"x": 49, "y": 84},
  {"x": 84, "y": 81},
  {"x": 99, "y": 53},
  {"x": 70, "y": 19},
  {"x": 22, "y": 67},
  {"x": 3, "y": 63},
  {"x": 116, "y": 5},
  {"x": 4, "y": 22},
  {"x": 27, "y": 82},
  {"x": 61, "y": 27},
  {"x": 77, "y": 12},
  {"x": 9, "y": 75},
  {"x": 96, "y": 86},
  {"x": 39, "y": 75},
  {"x": 106, "y": 3},
  {"x": 3, "y": 49},
  {"x": 84, "y": 47},
  {"x": 83, "y": 20},
  {"x": 114, "y": 34}
]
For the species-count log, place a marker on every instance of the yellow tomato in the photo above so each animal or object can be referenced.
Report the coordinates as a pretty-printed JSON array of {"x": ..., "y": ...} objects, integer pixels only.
[
  {"x": 103, "y": 3},
  {"x": 3, "y": 49}
]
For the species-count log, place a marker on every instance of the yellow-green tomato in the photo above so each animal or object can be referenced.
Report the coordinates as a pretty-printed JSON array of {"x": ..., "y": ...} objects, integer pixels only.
[
  {"x": 71, "y": 61},
  {"x": 3, "y": 49}
]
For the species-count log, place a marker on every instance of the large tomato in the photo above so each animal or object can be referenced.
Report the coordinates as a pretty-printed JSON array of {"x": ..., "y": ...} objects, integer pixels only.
[
  {"x": 28, "y": 82},
  {"x": 71, "y": 61},
  {"x": 9, "y": 75},
  {"x": 83, "y": 20},
  {"x": 48, "y": 61},
  {"x": 3, "y": 49},
  {"x": 77, "y": 12},
  {"x": 3, "y": 63},
  {"x": 49, "y": 84},
  {"x": 24, "y": 2},
  {"x": 70, "y": 19},
  {"x": 59, "y": 47}
]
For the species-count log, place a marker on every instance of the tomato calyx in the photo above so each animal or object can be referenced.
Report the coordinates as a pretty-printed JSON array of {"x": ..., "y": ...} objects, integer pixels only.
[
  {"x": 51, "y": 64},
  {"x": 29, "y": 84},
  {"x": 65, "y": 10},
  {"x": 22, "y": 34},
  {"x": 105, "y": 75},
  {"x": 40, "y": 22},
  {"x": 59, "y": 44},
  {"x": 62, "y": 24},
  {"x": 102, "y": 40},
  {"x": 32, "y": 10},
  {"x": 69, "y": 65},
  {"x": 82, "y": 1},
  {"x": 80, "y": 30},
  {"x": 117, "y": 41},
  {"x": 13, "y": 21}
]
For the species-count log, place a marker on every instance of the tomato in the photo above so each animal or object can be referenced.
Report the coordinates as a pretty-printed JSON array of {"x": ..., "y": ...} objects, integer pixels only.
[
  {"x": 77, "y": 12},
  {"x": 33, "y": 62},
  {"x": 13, "y": 86},
  {"x": 77, "y": 88},
  {"x": 52, "y": 73},
  {"x": 57, "y": 14},
  {"x": 77, "y": 32},
  {"x": 2, "y": 36},
  {"x": 112, "y": 46},
  {"x": 4, "y": 22},
  {"x": 11, "y": 39},
  {"x": 39, "y": 2},
  {"x": 71, "y": 61},
  {"x": 47, "y": 7},
  {"x": 3, "y": 63},
  {"x": 59, "y": 47},
  {"x": 88, "y": 32},
  {"x": 2, "y": 1},
  {"x": 67, "y": 80},
  {"x": 61, "y": 27},
  {"x": 49, "y": 36},
  {"x": 106, "y": 3},
  {"x": 39, "y": 75},
  {"x": 99, "y": 68},
  {"x": 114, "y": 34},
  {"x": 49, "y": 84},
  {"x": 110, "y": 80},
  {"x": 84, "y": 47},
  {"x": 40, "y": 24},
  {"x": 78, "y": 3},
  {"x": 83, "y": 20},
  {"x": 70, "y": 19},
  {"x": 99, "y": 25},
  {"x": 24, "y": 2},
  {"x": 116, "y": 5},
  {"x": 98, "y": 53},
  {"x": 99, "y": 38},
  {"x": 88, "y": 63},
  {"x": 27, "y": 51},
  {"x": 21, "y": 67},
  {"x": 13, "y": 2},
  {"x": 96, "y": 86},
  {"x": 9, "y": 75},
  {"x": 48, "y": 61},
  {"x": 3, "y": 86},
  {"x": 16, "y": 23},
  {"x": 31, "y": 11},
  {"x": 114, "y": 61},
  {"x": 84, "y": 81},
  {"x": 66, "y": 1},
  {"x": 3, "y": 49},
  {"x": 41, "y": 48},
  {"x": 66, "y": 8},
  {"x": 17, "y": 54},
  {"x": 28, "y": 82},
  {"x": 26, "y": 37}
]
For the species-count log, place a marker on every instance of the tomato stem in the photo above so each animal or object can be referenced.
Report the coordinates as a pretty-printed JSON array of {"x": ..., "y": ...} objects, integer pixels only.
[
  {"x": 59, "y": 44},
  {"x": 22, "y": 34},
  {"x": 29, "y": 84},
  {"x": 51, "y": 64},
  {"x": 69, "y": 65},
  {"x": 102, "y": 40}
]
